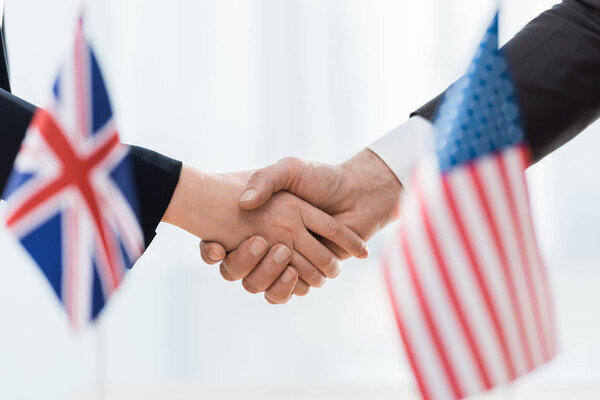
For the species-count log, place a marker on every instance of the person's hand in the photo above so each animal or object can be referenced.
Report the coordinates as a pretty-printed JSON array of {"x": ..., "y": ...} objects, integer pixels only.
[
  {"x": 207, "y": 206},
  {"x": 362, "y": 193},
  {"x": 251, "y": 263}
]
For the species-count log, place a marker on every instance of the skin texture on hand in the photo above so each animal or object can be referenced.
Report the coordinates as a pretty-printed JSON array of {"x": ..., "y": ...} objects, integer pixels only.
[
  {"x": 362, "y": 193},
  {"x": 244, "y": 263},
  {"x": 206, "y": 205}
]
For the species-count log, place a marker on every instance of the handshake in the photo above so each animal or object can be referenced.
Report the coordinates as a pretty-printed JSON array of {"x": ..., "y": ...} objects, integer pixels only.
[{"x": 285, "y": 228}]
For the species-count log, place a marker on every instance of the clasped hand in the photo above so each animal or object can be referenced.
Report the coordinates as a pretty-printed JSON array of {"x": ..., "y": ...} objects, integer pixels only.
[{"x": 286, "y": 227}]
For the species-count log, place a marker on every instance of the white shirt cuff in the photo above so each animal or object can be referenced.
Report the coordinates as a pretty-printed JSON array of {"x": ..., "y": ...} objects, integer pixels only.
[{"x": 401, "y": 148}]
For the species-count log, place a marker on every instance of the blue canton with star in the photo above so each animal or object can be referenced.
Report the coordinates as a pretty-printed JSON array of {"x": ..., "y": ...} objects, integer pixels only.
[{"x": 478, "y": 115}]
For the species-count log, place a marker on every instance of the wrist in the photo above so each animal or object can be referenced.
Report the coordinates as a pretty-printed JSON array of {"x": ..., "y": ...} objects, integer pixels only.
[
  {"x": 372, "y": 182},
  {"x": 367, "y": 171},
  {"x": 206, "y": 205},
  {"x": 184, "y": 207}
]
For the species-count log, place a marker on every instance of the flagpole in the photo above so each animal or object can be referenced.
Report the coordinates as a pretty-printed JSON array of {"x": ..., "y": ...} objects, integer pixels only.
[{"x": 100, "y": 361}]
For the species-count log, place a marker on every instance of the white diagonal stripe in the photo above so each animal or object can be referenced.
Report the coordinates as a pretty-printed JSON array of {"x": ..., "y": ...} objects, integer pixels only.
[
  {"x": 502, "y": 216},
  {"x": 417, "y": 334},
  {"x": 517, "y": 181},
  {"x": 470, "y": 209},
  {"x": 468, "y": 289},
  {"x": 437, "y": 297}
]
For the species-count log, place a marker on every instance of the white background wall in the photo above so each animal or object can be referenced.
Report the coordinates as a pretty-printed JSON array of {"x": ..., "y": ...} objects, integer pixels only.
[{"x": 236, "y": 84}]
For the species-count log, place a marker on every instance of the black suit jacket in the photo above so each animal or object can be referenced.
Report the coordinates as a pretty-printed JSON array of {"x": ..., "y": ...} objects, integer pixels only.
[
  {"x": 555, "y": 64},
  {"x": 156, "y": 175}
]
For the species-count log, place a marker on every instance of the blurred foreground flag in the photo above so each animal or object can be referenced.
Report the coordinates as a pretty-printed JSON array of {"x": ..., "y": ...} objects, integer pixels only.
[
  {"x": 468, "y": 286},
  {"x": 72, "y": 198}
]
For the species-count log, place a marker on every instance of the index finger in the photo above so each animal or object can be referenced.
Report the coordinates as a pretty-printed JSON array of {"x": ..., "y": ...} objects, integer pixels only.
[{"x": 328, "y": 227}]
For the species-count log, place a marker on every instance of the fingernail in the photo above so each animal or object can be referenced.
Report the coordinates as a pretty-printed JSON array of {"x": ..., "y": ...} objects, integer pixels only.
[
  {"x": 365, "y": 251},
  {"x": 281, "y": 254},
  {"x": 269, "y": 298},
  {"x": 215, "y": 255},
  {"x": 318, "y": 278},
  {"x": 258, "y": 246},
  {"x": 288, "y": 275},
  {"x": 248, "y": 195}
]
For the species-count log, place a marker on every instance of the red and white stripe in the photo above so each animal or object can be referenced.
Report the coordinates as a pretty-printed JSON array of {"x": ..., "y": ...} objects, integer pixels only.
[{"x": 468, "y": 286}]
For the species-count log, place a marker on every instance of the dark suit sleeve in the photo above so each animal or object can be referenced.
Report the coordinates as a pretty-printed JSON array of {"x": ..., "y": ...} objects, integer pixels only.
[
  {"x": 156, "y": 178},
  {"x": 156, "y": 175},
  {"x": 15, "y": 115},
  {"x": 554, "y": 62}
]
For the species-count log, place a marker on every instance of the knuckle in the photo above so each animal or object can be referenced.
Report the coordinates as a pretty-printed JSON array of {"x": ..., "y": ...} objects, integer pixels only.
[
  {"x": 330, "y": 267},
  {"x": 284, "y": 226},
  {"x": 289, "y": 203},
  {"x": 290, "y": 162},
  {"x": 301, "y": 290},
  {"x": 285, "y": 230},
  {"x": 336, "y": 269},
  {"x": 326, "y": 263},
  {"x": 333, "y": 228},
  {"x": 316, "y": 279}
]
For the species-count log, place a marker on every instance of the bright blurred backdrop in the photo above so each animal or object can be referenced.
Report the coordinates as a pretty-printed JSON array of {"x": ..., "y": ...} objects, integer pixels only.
[{"x": 236, "y": 84}]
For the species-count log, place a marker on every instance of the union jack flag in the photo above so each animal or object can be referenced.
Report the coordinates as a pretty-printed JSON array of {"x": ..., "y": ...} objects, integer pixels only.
[
  {"x": 72, "y": 200},
  {"x": 468, "y": 285}
]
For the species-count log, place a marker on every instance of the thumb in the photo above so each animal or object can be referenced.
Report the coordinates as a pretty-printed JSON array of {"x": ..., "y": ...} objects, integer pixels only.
[{"x": 272, "y": 179}]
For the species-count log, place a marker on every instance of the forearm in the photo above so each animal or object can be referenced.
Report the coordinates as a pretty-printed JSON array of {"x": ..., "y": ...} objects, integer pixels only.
[
  {"x": 374, "y": 186},
  {"x": 554, "y": 62}
]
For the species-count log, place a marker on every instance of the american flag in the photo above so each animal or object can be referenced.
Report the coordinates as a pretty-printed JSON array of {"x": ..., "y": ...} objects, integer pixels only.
[
  {"x": 71, "y": 197},
  {"x": 467, "y": 283}
]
